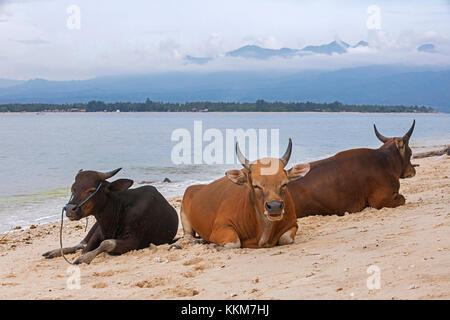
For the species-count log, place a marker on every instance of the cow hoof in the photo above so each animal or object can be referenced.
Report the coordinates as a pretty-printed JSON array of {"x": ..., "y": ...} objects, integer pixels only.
[
  {"x": 199, "y": 241},
  {"x": 51, "y": 254},
  {"x": 216, "y": 247},
  {"x": 174, "y": 246},
  {"x": 82, "y": 259}
]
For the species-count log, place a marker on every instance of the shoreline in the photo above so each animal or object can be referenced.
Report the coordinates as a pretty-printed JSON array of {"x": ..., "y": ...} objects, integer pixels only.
[
  {"x": 173, "y": 200},
  {"x": 215, "y": 112},
  {"x": 328, "y": 260}
]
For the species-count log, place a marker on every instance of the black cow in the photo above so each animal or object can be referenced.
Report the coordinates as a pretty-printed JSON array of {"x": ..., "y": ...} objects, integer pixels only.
[{"x": 126, "y": 219}]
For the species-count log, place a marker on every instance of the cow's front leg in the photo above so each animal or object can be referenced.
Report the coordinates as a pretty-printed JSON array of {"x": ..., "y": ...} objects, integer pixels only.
[
  {"x": 57, "y": 252},
  {"x": 288, "y": 237},
  {"x": 225, "y": 238},
  {"x": 390, "y": 201},
  {"x": 82, "y": 245},
  {"x": 111, "y": 246}
]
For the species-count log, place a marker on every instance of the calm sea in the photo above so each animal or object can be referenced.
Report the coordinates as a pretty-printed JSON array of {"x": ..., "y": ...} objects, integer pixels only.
[{"x": 41, "y": 153}]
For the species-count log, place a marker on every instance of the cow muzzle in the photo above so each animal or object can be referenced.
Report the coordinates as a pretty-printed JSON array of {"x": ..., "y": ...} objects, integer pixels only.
[
  {"x": 409, "y": 173},
  {"x": 73, "y": 212},
  {"x": 274, "y": 210}
]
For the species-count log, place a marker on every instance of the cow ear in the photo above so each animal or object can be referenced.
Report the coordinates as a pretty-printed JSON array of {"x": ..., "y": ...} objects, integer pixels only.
[
  {"x": 237, "y": 176},
  {"x": 298, "y": 171},
  {"x": 120, "y": 185}
]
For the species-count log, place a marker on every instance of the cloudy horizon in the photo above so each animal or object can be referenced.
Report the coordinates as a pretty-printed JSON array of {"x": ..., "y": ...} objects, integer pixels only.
[{"x": 41, "y": 39}]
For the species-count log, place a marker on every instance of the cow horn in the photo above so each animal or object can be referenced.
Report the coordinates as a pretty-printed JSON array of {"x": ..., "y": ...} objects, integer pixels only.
[
  {"x": 287, "y": 155},
  {"x": 245, "y": 163},
  {"x": 410, "y": 131},
  {"x": 107, "y": 175},
  {"x": 379, "y": 135}
]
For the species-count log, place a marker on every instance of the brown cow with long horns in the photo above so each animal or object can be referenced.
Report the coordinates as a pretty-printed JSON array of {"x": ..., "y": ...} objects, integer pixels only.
[
  {"x": 249, "y": 208},
  {"x": 355, "y": 179}
]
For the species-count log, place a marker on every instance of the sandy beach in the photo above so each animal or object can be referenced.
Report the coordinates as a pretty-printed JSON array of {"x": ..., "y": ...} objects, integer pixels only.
[{"x": 408, "y": 247}]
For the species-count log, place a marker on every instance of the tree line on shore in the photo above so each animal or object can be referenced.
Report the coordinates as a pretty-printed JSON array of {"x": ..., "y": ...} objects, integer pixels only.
[{"x": 207, "y": 106}]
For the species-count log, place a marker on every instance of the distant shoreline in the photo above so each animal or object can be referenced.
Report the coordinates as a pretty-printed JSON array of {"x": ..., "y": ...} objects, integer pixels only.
[
  {"x": 250, "y": 112},
  {"x": 208, "y": 106}
]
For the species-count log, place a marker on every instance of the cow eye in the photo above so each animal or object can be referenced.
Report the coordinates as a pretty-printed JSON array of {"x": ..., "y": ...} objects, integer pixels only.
[
  {"x": 257, "y": 187},
  {"x": 284, "y": 186}
]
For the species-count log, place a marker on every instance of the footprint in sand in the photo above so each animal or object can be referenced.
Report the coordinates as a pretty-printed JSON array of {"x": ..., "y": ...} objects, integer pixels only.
[
  {"x": 192, "y": 261},
  {"x": 100, "y": 285},
  {"x": 151, "y": 283},
  {"x": 109, "y": 273}
]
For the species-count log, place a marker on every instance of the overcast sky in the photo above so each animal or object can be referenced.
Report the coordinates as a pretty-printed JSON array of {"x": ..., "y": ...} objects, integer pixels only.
[{"x": 117, "y": 37}]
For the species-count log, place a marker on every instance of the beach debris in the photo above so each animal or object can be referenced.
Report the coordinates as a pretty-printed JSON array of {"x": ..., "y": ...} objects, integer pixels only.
[
  {"x": 17, "y": 228},
  {"x": 413, "y": 286},
  {"x": 167, "y": 180},
  {"x": 256, "y": 280},
  {"x": 160, "y": 260},
  {"x": 446, "y": 150},
  {"x": 32, "y": 226},
  {"x": 277, "y": 253}
]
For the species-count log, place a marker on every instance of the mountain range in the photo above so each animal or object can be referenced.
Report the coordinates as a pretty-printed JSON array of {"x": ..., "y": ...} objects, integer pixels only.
[
  {"x": 261, "y": 53},
  {"x": 381, "y": 84}
]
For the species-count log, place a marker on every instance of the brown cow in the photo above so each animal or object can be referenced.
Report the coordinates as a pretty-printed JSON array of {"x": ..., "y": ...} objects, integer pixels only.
[
  {"x": 355, "y": 179},
  {"x": 249, "y": 208}
]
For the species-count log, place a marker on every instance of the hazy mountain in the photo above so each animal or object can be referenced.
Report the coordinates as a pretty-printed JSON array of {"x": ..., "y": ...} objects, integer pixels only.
[
  {"x": 362, "y": 43},
  {"x": 389, "y": 85},
  {"x": 5, "y": 83},
  {"x": 256, "y": 52},
  {"x": 197, "y": 60},
  {"x": 330, "y": 48},
  {"x": 428, "y": 47}
]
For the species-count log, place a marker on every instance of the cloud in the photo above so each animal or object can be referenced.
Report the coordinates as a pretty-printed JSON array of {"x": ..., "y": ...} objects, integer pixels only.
[
  {"x": 155, "y": 36},
  {"x": 269, "y": 42},
  {"x": 170, "y": 47}
]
